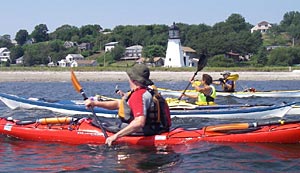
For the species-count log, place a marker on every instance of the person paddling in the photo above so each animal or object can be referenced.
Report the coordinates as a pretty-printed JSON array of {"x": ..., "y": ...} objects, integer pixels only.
[
  {"x": 136, "y": 107},
  {"x": 207, "y": 93},
  {"x": 227, "y": 84}
]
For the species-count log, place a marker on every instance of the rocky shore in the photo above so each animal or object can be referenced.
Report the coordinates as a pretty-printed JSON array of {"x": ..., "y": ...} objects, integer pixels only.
[{"x": 49, "y": 76}]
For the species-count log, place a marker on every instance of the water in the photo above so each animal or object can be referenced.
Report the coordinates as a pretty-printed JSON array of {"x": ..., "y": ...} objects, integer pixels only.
[{"x": 30, "y": 156}]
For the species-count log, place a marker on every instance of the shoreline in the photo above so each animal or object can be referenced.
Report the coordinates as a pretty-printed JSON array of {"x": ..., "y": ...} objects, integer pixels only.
[{"x": 106, "y": 76}]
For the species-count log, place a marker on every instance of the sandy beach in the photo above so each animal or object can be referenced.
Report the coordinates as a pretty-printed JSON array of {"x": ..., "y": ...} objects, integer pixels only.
[{"x": 47, "y": 76}]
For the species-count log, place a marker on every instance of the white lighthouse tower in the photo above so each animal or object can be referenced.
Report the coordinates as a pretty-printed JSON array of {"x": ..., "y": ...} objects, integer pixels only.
[{"x": 174, "y": 54}]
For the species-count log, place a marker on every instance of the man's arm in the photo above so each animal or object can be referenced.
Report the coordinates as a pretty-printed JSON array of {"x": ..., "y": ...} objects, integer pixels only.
[{"x": 135, "y": 125}]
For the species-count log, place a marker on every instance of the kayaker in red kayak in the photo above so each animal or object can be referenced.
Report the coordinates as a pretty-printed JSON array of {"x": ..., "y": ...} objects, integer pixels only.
[{"x": 136, "y": 107}]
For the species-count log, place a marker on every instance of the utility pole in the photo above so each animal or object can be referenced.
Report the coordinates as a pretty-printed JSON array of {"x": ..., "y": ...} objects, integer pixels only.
[
  {"x": 293, "y": 41},
  {"x": 104, "y": 59}
]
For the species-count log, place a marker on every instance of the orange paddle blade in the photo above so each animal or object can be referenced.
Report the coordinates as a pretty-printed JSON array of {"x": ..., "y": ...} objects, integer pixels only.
[
  {"x": 75, "y": 82},
  {"x": 225, "y": 127}
]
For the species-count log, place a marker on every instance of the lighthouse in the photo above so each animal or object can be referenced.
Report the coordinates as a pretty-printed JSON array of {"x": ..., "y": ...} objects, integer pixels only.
[{"x": 174, "y": 54}]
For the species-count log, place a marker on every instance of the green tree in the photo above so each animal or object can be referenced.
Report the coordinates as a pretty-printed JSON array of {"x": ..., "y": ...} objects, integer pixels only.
[
  {"x": 290, "y": 18},
  {"x": 220, "y": 61},
  {"x": 260, "y": 59},
  {"x": 15, "y": 53},
  {"x": 280, "y": 57},
  {"x": 5, "y": 41},
  {"x": 291, "y": 24},
  {"x": 89, "y": 30},
  {"x": 117, "y": 52},
  {"x": 232, "y": 35},
  {"x": 22, "y": 36},
  {"x": 39, "y": 34},
  {"x": 65, "y": 33},
  {"x": 152, "y": 51},
  {"x": 194, "y": 36},
  {"x": 237, "y": 23},
  {"x": 36, "y": 54},
  {"x": 295, "y": 54},
  {"x": 294, "y": 31}
]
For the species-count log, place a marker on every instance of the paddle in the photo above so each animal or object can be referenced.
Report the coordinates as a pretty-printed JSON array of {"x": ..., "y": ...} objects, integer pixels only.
[
  {"x": 201, "y": 64},
  {"x": 233, "y": 77},
  {"x": 244, "y": 126},
  {"x": 79, "y": 89}
]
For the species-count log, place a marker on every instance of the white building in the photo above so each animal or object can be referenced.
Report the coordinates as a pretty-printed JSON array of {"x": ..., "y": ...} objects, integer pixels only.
[
  {"x": 174, "y": 54},
  {"x": 20, "y": 60},
  {"x": 4, "y": 54},
  {"x": 63, "y": 63},
  {"x": 70, "y": 58},
  {"x": 133, "y": 52},
  {"x": 84, "y": 63},
  {"x": 109, "y": 46},
  {"x": 189, "y": 56},
  {"x": 263, "y": 27}
]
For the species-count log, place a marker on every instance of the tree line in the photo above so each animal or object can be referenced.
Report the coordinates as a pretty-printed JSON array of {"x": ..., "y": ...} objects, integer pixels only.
[{"x": 231, "y": 35}]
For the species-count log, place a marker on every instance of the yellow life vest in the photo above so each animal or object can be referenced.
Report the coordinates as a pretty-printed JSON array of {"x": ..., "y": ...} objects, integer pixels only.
[{"x": 207, "y": 99}]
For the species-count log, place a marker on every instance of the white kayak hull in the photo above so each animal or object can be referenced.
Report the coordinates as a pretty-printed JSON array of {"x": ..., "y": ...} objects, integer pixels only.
[
  {"x": 240, "y": 94},
  {"x": 295, "y": 110},
  {"x": 77, "y": 107}
]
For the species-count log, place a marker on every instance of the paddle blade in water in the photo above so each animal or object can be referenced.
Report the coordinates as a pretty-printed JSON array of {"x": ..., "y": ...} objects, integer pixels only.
[{"x": 79, "y": 89}]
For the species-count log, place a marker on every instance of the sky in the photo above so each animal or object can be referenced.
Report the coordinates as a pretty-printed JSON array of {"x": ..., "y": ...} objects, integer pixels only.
[{"x": 26, "y": 14}]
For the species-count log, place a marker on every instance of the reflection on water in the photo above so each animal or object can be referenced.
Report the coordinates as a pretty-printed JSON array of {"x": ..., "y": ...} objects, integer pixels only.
[
  {"x": 142, "y": 159},
  {"x": 29, "y": 156}
]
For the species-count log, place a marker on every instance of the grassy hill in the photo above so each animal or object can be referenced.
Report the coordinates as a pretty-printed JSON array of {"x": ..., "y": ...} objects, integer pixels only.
[{"x": 282, "y": 39}]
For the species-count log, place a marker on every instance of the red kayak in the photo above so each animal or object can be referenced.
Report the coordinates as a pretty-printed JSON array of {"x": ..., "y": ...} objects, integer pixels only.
[{"x": 82, "y": 131}]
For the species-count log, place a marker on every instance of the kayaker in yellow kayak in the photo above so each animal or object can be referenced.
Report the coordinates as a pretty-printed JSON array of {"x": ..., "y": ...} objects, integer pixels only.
[
  {"x": 228, "y": 85},
  {"x": 206, "y": 94}
]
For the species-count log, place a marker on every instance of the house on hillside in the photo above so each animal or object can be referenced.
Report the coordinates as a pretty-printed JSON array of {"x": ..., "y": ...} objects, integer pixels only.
[
  {"x": 20, "y": 60},
  {"x": 69, "y": 44},
  {"x": 263, "y": 27},
  {"x": 70, "y": 58},
  {"x": 133, "y": 52},
  {"x": 63, "y": 63},
  {"x": 29, "y": 41},
  {"x": 189, "y": 55},
  {"x": 156, "y": 61},
  {"x": 109, "y": 46},
  {"x": 269, "y": 48},
  {"x": 84, "y": 63},
  {"x": 4, "y": 54},
  {"x": 84, "y": 46}
]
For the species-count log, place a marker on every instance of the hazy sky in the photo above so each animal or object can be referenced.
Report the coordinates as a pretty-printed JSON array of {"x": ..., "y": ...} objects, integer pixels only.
[{"x": 26, "y": 14}]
